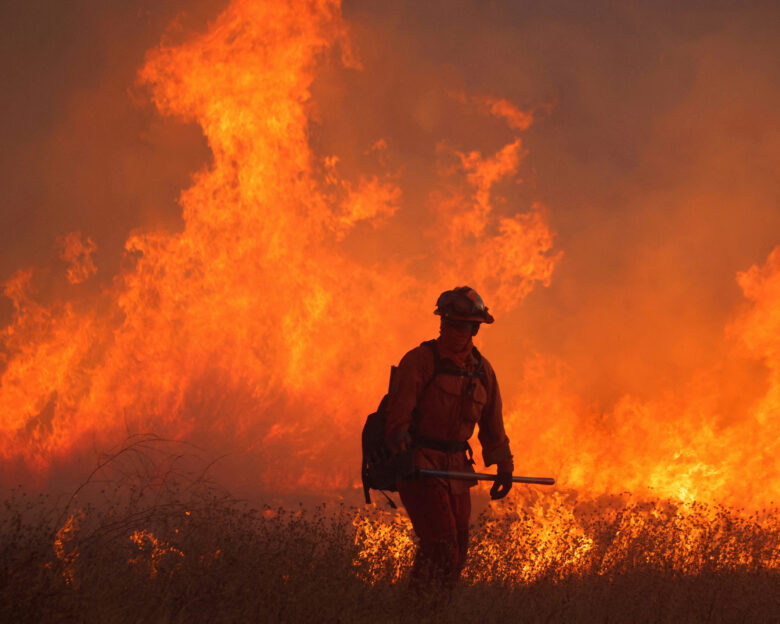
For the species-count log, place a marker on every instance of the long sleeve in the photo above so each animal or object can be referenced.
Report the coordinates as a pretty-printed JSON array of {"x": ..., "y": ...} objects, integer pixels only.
[
  {"x": 410, "y": 378},
  {"x": 492, "y": 436}
]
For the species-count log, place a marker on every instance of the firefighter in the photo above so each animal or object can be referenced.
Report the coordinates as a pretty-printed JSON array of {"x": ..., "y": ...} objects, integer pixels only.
[{"x": 442, "y": 390}]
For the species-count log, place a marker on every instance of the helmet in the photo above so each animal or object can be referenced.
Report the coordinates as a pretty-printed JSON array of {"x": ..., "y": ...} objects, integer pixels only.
[{"x": 462, "y": 304}]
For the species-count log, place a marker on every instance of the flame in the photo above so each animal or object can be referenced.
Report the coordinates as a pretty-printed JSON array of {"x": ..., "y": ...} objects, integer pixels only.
[
  {"x": 500, "y": 107},
  {"x": 683, "y": 446},
  {"x": 66, "y": 553},
  {"x": 78, "y": 254},
  {"x": 759, "y": 329},
  {"x": 266, "y": 325},
  {"x": 385, "y": 547},
  {"x": 556, "y": 538},
  {"x": 256, "y": 323},
  {"x": 153, "y": 550}
]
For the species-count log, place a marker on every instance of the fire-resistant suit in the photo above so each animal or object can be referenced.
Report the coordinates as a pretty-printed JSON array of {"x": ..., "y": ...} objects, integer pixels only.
[{"x": 444, "y": 409}]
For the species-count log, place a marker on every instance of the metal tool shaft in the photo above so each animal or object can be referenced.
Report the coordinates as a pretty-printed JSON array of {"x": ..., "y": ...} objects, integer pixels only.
[{"x": 480, "y": 476}]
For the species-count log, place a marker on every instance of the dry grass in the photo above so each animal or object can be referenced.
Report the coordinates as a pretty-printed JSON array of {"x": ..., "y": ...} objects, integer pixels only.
[{"x": 176, "y": 550}]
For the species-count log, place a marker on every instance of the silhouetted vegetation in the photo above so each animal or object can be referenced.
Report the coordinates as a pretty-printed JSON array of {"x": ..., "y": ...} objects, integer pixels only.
[{"x": 171, "y": 549}]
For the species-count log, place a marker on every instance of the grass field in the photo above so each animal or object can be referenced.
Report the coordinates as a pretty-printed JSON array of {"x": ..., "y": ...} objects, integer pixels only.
[{"x": 181, "y": 553}]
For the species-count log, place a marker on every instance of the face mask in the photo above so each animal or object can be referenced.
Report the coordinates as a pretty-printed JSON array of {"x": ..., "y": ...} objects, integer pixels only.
[{"x": 455, "y": 341}]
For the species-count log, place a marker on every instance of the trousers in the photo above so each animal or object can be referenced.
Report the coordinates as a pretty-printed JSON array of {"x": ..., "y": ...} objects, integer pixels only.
[{"x": 441, "y": 522}]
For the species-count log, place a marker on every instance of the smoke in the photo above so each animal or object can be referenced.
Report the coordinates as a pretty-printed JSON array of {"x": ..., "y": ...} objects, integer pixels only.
[
  {"x": 84, "y": 150},
  {"x": 625, "y": 153},
  {"x": 651, "y": 146}
]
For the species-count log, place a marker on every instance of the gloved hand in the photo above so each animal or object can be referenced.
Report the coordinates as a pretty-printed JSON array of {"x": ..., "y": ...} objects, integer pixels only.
[{"x": 502, "y": 485}]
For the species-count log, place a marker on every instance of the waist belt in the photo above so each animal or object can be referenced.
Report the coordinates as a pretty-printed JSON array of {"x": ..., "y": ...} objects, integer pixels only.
[{"x": 443, "y": 446}]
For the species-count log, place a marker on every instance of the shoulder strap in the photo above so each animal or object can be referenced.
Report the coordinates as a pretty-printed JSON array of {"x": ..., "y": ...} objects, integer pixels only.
[{"x": 438, "y": 365}]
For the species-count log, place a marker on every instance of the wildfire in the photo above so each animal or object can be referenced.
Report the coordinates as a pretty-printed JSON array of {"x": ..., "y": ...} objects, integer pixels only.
[
  {"x": 257, "y": 308},
  {"x": 266, "y": 326},
  {"x": 556, "y": 538},
  {"x": 385, "y": 546}
]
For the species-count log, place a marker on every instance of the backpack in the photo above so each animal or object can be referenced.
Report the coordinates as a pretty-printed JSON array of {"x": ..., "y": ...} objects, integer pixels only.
[{"x": 381, "y": 468}]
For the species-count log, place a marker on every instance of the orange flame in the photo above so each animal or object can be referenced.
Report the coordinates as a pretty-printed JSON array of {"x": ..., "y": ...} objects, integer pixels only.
[
  {"x": 256, "y": 302},
  {"x": 263, "y": 328},
  {"x": 152, "y": 550},
  {"x": 68, "y": 556},
  {"x": 78, "y": 254},
  {"x": 685, "y": 446}
]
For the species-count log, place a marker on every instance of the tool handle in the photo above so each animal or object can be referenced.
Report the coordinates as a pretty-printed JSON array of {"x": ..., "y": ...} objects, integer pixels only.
[{"x": 480, "y": 476}]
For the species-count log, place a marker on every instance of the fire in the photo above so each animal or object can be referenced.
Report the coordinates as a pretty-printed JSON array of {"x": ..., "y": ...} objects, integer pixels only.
[
  {"x": 560, "y": 539},
  {"x": 265, "y": 327},
  {"x": 682, "y": 446},
  {"x": 67, "y": 552},
  {"x": 78, "y": 254},
  {"x": 256, "y": 325},
  {"x": 152, "y": 550},
  {"x": 385, "y": 546}
]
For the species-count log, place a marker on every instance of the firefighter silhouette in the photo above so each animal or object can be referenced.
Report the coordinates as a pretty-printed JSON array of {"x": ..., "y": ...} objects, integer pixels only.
[{"x": 441, "y": 391}]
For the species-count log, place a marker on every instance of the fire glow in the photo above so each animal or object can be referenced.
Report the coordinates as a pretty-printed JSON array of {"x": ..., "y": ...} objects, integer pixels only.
[{"x": 262, "y": 326}]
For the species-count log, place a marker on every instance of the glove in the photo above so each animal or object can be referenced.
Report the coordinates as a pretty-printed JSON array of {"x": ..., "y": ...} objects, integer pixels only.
[{"x": 501, "y": 486}]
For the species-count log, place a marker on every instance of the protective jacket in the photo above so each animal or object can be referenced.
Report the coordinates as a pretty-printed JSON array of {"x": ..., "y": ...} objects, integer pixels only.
[{"x": 448, "y": 408}]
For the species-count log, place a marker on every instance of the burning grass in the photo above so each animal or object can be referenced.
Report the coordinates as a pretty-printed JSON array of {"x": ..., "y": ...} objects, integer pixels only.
[{"x": 178, "y": 550}]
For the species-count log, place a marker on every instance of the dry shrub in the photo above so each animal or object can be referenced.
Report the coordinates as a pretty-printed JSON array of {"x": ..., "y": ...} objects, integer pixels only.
[{"x": 152, "y": 540}]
